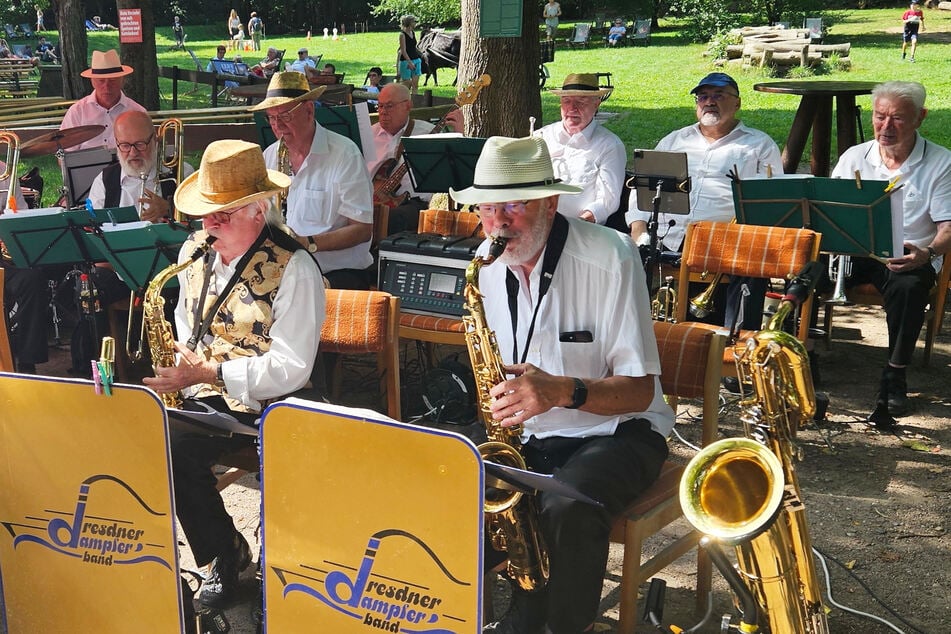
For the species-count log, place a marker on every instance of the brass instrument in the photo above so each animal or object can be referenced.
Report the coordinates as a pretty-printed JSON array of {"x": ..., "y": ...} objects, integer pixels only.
[
  {"x": 161, "y": 338},
  {"x": 840, "y": 267},
  {"x": 664, "y": 304},
  {"x": 512, "y": 516},
  {"x": 744, "y": 491},
  {"x": 171, "y": 132},
  {"x": 701, "y": 306},
  {"x": 10, "y": 170}
]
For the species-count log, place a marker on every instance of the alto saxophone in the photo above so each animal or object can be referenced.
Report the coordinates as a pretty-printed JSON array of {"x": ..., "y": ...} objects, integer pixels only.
[
  {"x": 744, "y": 492},
  {"x": 512, "y": 516},
  {"x": 158, "y": 330}
]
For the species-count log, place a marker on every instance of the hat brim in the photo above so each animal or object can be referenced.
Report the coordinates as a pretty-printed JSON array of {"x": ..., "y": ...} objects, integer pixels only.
[
  {"x": 476, "y": 195},
  {"x": 88, "y": 73},
  {"x": 601, "y": 93},
  {"x": 189, "y": 200},
  {"x": 272, "y": 102}
]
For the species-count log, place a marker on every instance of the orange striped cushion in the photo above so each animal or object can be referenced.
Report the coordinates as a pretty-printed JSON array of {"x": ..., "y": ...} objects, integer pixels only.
[
  {"x": 449, "y": 223},
  {"x": 355, "y": 322},
  {"x": 683, "y": 357},
  {"x": 431, "y": 322},
  {"x": 748, "y": 250}
]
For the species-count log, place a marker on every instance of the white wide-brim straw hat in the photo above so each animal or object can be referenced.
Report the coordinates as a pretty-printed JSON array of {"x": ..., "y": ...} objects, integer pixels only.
[
  {"x": 232, "y": 174},
  {"x": 582, "y": 85},
  {"x": 106, "y": 65},
  {"x": 287, "y": 87},
  {"x": 512, "y": 169}
]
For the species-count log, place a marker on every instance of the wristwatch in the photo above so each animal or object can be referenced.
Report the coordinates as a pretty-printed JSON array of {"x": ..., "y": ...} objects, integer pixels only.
[
  {"x": 220, "y": 376},
  {"x": 932, "y": 254},
  {"x": 311, "y": 245},
  {"x": 580, "y": 395}
]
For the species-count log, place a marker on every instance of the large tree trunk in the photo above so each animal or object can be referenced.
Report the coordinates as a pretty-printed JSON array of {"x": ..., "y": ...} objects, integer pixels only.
[
  {"x": 142, "y": 85},
  {"x": 72, "y": 42},
  {"x": 504, "y": 107}
]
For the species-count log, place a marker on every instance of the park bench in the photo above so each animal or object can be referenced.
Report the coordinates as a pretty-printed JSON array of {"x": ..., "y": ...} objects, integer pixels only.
[{"x": 15, "y": 77}]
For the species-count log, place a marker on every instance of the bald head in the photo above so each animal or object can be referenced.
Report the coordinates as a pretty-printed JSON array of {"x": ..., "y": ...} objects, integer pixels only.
[
  {"x": 394, "y": 106},
  {"x": 136, "y": 142}
]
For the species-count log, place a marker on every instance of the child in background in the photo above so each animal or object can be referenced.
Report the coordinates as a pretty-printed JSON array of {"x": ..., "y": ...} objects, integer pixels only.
[{"x": 914, "y": 20}]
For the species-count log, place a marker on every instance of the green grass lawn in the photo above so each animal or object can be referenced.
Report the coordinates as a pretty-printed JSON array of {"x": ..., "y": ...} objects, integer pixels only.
[{"x": 652, "y": 83}]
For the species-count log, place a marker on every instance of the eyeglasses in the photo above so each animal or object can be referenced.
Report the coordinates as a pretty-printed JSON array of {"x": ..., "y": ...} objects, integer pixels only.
[
  {"x": 513, "y": 208},
  {"x": 140, "y": 146},
  {"x": 389, "y": 106},
  {"x": 222, "y": 217},
  {"x": 716, "y": 96},
  {"x": 284, "y": 117}
]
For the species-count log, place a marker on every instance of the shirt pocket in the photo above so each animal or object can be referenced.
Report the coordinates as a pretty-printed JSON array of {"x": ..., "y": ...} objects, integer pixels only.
[{"x": 584, "y": 360}]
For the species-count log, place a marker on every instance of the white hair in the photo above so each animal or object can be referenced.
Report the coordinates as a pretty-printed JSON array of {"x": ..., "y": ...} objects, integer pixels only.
[{"x": 910, "y": 91}]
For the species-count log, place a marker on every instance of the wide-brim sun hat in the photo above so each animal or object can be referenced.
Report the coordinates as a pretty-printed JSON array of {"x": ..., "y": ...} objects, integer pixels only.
[
  {"x": 287, "y": 87},
  {"x": 106, "y": 65},
  {"x": 232, "y": 174},
  {"x": 512, "y": 169},
  {"x": 582, "y": 85}
]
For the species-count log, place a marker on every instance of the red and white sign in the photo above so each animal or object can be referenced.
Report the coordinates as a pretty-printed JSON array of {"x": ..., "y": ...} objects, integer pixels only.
[{"x": 130, "y": 26}]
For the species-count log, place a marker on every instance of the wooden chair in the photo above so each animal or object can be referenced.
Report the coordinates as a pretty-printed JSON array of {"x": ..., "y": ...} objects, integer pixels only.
[
  {"x": 357, "y": 322},
  {"x": 745, "y": 251},
  {"x": 868, "y": 294},
  {"x": 690, "y": 359},
  {"x": 6, "y": 353}
]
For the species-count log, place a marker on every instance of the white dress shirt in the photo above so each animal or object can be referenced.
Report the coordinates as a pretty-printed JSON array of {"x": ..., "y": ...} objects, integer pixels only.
[
  {"x": 708, "y": 163},
  {"x": 87, "y": 111},
  {"x": 593, "y": 160},
  {"x": 298, "y": 309},
  {"x": 131, "y": 188},
  {"x": 386, "y": 144},
  {"x": 331, "y": 187},
  {"x": 598, "y": 286},
  {"x": 301, "y": 65},
  {"x": 925, "y": 179}
]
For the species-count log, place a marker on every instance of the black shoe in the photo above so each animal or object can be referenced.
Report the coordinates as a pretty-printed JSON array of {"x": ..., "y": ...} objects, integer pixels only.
[
  {"x": 731, "y": 384},
  {"x": 526, "y": 614},
  {"x": 219, "y": 586},
  {"x": 897, "y": 391}
]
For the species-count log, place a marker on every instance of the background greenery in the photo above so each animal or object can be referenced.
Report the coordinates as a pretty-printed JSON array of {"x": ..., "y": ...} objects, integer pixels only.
[{"x": 652, "y": 83}]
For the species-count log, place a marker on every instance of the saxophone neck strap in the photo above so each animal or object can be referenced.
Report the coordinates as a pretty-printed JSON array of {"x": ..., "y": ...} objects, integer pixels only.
[
  {"x": 201, "y": 326},
  {"x": 557, "y": 238}
]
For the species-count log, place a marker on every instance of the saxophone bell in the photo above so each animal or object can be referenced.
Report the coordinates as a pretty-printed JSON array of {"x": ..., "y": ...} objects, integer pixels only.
[{"x": 701, "y": 306}]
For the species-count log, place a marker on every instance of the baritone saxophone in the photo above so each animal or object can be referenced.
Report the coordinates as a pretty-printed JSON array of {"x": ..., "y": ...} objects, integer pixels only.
[
  {"x": 512, "y": 516},
  {"x": 158, "y": 330}
]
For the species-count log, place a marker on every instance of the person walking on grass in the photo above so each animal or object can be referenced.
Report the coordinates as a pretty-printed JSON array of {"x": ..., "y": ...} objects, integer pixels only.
[{"x": 914, "y": 21}]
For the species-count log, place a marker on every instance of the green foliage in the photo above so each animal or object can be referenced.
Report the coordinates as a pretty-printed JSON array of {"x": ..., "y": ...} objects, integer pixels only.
[
  {"x": 426, "y": 11},
  {"x": 705, "y": 18},
  {"x": 800, "y": 72},
  {"x": 719, "y": 43}
]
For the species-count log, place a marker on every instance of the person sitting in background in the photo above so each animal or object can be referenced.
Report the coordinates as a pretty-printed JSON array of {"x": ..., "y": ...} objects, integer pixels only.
[
  {"x": 46, "y": 51},
  {"x": 304, "y": 64},
  {"x": 102, "y": 27},
  {"x": 374, "y": 77},
  {"x": 329, "y": 69},
  {"x": 617, "y": 32},
  {"x": 221, "y": 51},
  {"x": 267, "y": 66}
]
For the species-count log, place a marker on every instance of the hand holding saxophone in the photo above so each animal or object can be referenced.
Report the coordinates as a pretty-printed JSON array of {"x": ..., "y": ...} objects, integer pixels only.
[
  {"x": 191, "y": 369},
  {"x": 533, "y": 391}
]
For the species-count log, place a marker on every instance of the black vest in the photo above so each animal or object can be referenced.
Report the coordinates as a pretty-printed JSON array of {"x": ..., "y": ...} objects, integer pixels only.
[{"x": 110, "y": 180}]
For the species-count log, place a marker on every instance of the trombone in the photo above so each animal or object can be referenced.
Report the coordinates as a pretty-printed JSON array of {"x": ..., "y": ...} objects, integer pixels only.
[
  {"x": 10, "y": 170},
  {"x": 840, "y": 267},
  {"x": 171, "y": 134}
]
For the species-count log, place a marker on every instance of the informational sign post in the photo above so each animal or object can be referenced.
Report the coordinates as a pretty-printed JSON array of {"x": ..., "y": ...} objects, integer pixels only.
[{"x": 130, "y": 26}]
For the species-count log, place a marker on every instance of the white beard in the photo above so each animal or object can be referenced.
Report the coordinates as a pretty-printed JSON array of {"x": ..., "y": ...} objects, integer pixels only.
[{"x": 709, "y": 118}]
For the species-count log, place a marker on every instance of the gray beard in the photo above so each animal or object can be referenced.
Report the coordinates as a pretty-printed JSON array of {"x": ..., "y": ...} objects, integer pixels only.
[{"x": 709, "y": 118}]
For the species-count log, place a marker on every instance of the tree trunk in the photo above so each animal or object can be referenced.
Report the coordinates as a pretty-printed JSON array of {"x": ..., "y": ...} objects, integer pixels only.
[
  {"x": 73, "y": 43},
  {"x": 504, "y": 107},
  {"x": 142, "y": 85}
]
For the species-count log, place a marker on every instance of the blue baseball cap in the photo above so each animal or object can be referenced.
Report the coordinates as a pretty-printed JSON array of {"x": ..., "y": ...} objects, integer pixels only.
[{"x": 718, "y": 80}]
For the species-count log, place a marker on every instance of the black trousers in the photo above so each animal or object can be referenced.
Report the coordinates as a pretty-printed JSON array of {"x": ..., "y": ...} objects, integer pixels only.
[
  {"x": 28, "y": 289},
  {"x": 612, "y": 469},
  {"x": 905, "y": 297},
  {"x": 201, "y": 511},
  {"x": 727, "y": 299}
]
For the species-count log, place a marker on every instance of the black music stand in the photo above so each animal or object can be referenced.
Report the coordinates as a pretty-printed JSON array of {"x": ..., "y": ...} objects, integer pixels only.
[
  {"x": 80, "y": 169},
  {"x": 438, "y": 162},
  {"x": 503, "y": 476},
  {"x": 660, "y": 182},
  {"x": 855, "y": 217}
]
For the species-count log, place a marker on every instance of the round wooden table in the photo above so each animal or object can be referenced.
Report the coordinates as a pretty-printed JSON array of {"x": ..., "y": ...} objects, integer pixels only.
[{"x": 815, "y": 113}]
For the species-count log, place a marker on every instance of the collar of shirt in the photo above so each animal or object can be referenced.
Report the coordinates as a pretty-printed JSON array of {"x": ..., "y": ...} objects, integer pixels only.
[
  {"x": 734, "y": 134},
  {"x": 381, "y": 132},
  {"x": 874, "y": 156},
  {"x": 586, "y": 134}
]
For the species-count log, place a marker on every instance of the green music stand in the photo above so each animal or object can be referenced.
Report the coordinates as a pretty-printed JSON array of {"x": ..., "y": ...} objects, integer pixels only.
[
  {"x": 855, "y": 217},
  {"x": 42, "y": 237},
  {"x": 139, "y": 251},
  {"x": 440, "y": 161}
]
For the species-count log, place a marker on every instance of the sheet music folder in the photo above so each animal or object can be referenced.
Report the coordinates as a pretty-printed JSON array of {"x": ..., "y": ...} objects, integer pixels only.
[
  {"x": 861, "y": 221},
  {"x": 139, "y": 250},
  {"x": 52, "y": 235},
  {"x": 511, "y": 478},
  {"x": 198, "y": 417},
  {"x": 439, "y": 161},
  {"x": 670, "y": 170}
]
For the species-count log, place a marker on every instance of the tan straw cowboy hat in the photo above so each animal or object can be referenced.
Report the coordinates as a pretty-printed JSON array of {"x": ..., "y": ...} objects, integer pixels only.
[
  {"x": 106, "y": 65},
  {"x": 582, "y": 85},
  {"x": 512, "y": 169},
  {"x": 288, "y": 87},
  {"x": 232, "y": 174}
]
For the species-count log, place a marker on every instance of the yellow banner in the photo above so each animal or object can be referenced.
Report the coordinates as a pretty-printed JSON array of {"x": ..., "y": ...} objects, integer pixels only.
[
  {"x": 369, "y": 525},
  {"x": 88, "y": 540}
]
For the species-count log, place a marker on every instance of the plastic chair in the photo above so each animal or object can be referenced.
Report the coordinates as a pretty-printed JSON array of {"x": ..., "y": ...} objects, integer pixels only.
[
  {"x": 869, "y": 295},
  {"x": 6, "y": 353},
  {"x": 690, "y": 368},
  {"x": 745, "y": 251}
]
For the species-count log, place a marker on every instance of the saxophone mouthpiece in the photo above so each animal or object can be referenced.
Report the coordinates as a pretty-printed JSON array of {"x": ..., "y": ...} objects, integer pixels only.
[{"x": 497, "y": 247}]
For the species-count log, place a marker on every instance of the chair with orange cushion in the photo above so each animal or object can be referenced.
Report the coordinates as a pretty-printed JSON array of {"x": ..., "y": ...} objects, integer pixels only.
[
  {"x": 690, "y": 360},
  {"x": 745, "y": 251},
  {"x": 6, "y": 354}
]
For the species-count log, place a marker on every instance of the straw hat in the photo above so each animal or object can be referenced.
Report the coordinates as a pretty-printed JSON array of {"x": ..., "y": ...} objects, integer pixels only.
[
  {"x": 288, "y": 87},
  {"x": 582, "y": 85},
  {"x": 512, "y": 169},
  {"x": 106, "y": 65},
  {"x": 232, "y": 174}
]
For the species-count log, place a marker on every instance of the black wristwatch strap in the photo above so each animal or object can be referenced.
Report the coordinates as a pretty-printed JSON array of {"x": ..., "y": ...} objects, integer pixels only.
[{"x": 580, "y": 395}]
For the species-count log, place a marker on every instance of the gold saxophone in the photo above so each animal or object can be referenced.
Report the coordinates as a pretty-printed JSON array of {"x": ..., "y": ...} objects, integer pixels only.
[
  {"x": 512, "y": 516},
  {"x": 159, "y": 331},
  {"x": 744, "y": 491}
]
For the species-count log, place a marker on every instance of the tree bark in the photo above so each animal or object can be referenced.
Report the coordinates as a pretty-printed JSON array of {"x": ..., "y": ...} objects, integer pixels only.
[
  {"x": 504, "y": 107},
  {"x": 73, "y": 43},
  {"x": 142, "y": 85}
]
